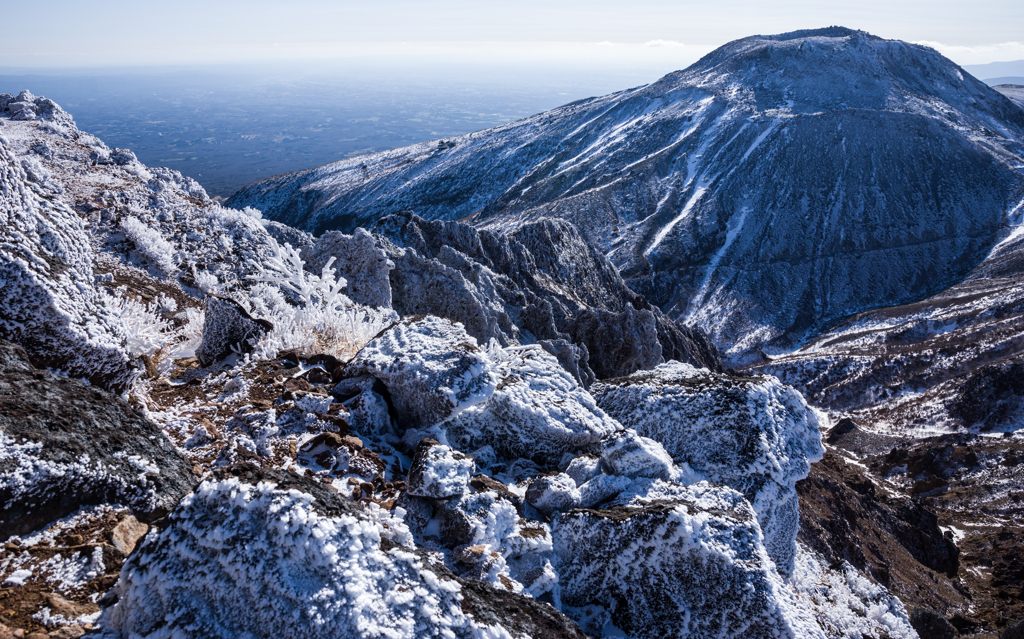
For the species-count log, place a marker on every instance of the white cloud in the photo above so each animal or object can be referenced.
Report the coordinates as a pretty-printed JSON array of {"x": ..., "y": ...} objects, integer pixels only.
[{"x": 980, "y": 54}]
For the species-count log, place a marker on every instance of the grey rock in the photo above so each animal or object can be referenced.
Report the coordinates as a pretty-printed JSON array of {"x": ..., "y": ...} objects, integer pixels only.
[
  {"x": 573, "y": 357},
  {"x": 542, "y": 282},
  {"x": 227, "y": 325},
  {"x": 64, "y": 445}
]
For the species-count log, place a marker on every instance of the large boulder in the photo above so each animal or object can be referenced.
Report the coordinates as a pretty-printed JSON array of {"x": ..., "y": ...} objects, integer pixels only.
[
  {"x": 689, "y": 565},
  {"x": 269, "y": 554},
  {"x": 750, "y": 433},
  {"x": 432, "y": 369},
  {"x": 50, "y": 305},
  {"x": 538, "y": 411},
  {"x": 64, "y": 445}
]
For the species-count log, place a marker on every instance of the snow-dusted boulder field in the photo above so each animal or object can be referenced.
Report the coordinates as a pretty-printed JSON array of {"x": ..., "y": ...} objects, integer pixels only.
[{"x": 420, "y": 429}]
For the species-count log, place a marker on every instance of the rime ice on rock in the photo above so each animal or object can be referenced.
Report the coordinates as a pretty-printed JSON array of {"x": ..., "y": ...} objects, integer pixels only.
[
  {"x": 50, "y": 304},
  {"x": 553, "y": 493},
  {"x": 438, "y": 471},
  {"x": 538, "y": 411},
  {"x": 693, "y": 565},
  {"x": 270, "y": 554},
  {"x": 432, "y": 369},
  {"x": 750, "y": 433}
]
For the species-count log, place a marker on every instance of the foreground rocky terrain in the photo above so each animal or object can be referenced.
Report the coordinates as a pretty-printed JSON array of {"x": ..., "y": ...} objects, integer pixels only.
[
  {"x": 752, "y": 194},
  {"x": 216, "y": 425}
]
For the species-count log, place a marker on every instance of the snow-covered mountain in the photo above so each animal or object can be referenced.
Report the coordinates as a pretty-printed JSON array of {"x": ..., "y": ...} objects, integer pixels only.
[{"x": 778, "y": 184}]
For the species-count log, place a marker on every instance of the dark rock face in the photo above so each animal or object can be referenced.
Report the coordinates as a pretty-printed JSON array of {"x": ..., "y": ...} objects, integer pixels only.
[
  {"x": 65, "y": 445},
  {"x": 698, "y": 188},
  {"x": 932, "y": 625},
  {"x": 846, "y": 516},
  {"x": 541, "y": 282},
  {"x": 227, "y": 325}
]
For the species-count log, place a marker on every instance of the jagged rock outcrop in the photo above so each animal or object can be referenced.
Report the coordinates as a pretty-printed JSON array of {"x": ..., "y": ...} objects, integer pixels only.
[
  {"x": 65, "y": 445},
  {"x": 542, "y": 282},
  {"x": 698, "y": 186},
  {"x": 690, "y": 566},
  {"x": 315, "y": 564},
  {"x": 749, "y": 433}
]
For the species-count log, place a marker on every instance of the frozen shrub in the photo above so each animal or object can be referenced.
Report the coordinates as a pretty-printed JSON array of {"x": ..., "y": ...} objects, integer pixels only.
[{"x": 150, "y": 244}]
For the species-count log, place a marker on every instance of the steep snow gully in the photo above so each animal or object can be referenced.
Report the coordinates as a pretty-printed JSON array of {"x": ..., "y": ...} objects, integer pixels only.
[{"x": 214, "y": 424}]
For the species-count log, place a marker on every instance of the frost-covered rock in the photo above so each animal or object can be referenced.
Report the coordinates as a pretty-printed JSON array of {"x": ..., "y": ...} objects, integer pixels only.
[
  {"x": 363, "y": 396},
  {"x": 359, "y": 260},
  {"x": 50, "y": 305},
  {"x": 29, "y": 107},
  {"x": 270, "y": 554},
  {"x": 439, "y": 472},
  {"x": 691, "y": 566},
  {"x": 64, "y": 444},
  {"x": 553, "y": 493},
  {"x": 518, "y": 547},
  {"x": 432, "y": 369},
  {"x": 628, "y": 454},
  {"x": 750, "y": 433},
  {"x": 538, "y": 411},
  {"x": 454, "y": 287},
  {"x": 228, "y": 326}
]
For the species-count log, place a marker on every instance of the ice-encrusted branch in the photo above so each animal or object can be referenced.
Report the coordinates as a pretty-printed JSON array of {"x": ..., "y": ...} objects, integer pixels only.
[{"x": 284, "y": 268}]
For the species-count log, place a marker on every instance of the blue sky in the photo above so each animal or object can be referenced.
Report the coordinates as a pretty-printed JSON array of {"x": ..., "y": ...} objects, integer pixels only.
[{"x": 591, "y": 33}]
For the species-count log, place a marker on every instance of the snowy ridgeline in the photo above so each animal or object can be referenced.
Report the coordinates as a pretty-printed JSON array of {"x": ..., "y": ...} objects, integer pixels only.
[{"x": 395, "y": 475}]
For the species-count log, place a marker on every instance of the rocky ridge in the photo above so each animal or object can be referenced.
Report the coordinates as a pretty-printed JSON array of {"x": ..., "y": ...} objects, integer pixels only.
[
  {"x": 750, "y": 194},
  {"x": 342, "y": 442}
]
